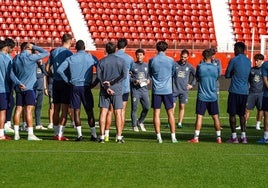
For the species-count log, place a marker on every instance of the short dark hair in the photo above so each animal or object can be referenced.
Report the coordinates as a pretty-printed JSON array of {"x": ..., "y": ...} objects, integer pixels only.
[
  {"x": 140, "y": 50},
  {"x": 121, "y": 43},
  {"x": 80, "y": 45},
  {"x": 239, "y": 48},
  {"x": 184, "y": 51},
  {"x": 10, "y": 42},
  {"x": 161, "y": 46},
  {"x": 3, "y": 44},
  {"x": 23, "y": 46},
  {"x": 213, "y": 50},
  {"x": 66, "y": 37},
  {"x": 207, "y": 54},
  {"x": 110, "y": 47},
  {"x": 258, "y": 57}
]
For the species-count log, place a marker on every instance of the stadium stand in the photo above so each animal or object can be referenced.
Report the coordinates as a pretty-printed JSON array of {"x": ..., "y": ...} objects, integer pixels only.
[
  {"x": 246, "y": 16},
  {"x": 43, "y": 21},
  {"x": 148, "y": 21}
]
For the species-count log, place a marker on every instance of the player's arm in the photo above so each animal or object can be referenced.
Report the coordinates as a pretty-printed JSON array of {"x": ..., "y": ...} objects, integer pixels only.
[
  {"x": 42, "y": 53},
  {"x": 229, "y": 70},
  {"x": 265, "y": 81},
  {"x": 61, "y": 70},
  {"x": 192, "y": 73}
]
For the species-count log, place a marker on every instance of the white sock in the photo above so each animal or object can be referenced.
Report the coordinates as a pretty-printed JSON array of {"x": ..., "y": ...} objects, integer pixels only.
[
  {"x": 258, "y": 124},
  {"x": 16, "y": 129},
  {"x": 8, "y": 124},
  {"x": 93, "y": 132},
  {"x": 1, "y": 132},
  {"x": 243, "y": 134},
  {"x": 106, "y": 132},
  {"x": 119, "y": 137},
  {"x": 79, "y": 131},
  {"x": 30, "y": 130},
  {"x": 265, "y": 135},
  {"x": 234, "y": 135},
  {"x": 56, "y": 129},
  {"x": 196, "y": 133},
  {"x": 158, "y": 135},
  {"x": 173, "y": 136},
  {"x": 218, "y": 133},
  {"x": 61, "y": 130},
  {"x": 102, "y": 137}
]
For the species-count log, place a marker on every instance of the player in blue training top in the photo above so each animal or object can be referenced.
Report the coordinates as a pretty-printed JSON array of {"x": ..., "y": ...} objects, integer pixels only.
[
  {"x": 61, "y": 89},
  {"x": 81, "y": 73},
  {"x": 161, "y": 70},
  {"x": 255, "y": 90},
  {"x": 24, "y": 67},
  {"x": 8, "y": 128},
  {"x": 238, "y": 70},
  {"x": 182, "y": 83},
  {"x": 207, "y": 75},
  {"x": 121, "y": 52},
  {"x": 139, "y": 81},
  {"x": 7, "y": 79},
  {"x": 111, "y": 73},
  {"x": 264, "y": 71}
]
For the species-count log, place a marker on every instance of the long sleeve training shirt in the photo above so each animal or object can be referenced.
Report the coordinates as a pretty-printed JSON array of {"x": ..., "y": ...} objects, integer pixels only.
[
  {"x": 81, "y": 68},
  {"x": 24, "y": 66}
]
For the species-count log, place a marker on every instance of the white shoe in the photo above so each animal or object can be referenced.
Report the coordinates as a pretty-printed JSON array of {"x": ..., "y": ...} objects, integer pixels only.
[
  {"x": 142, "y": 127},
  {"x": 50, "y": 126},
  {"x": 33, "y": 137},
  {"x": 9, "y": 130},
  {"x": 16, "y": 137},
  {"x": 40, "y": 127},
  {"x": 238, "y": 128},
  {"x": 174, "y": 141},
  {"x": 258, "y": 128},
  {"x": 159, "y": 141},
  {"x": 135, "y": 129}
]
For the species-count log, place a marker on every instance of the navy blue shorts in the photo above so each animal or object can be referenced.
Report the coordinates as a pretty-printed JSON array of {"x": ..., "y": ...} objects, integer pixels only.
[
  {"x": 183, "y": 98},
  {"x": 25, "y": 98},
  {"x": 125, "y": 97},
  {"x": 237, "y": 104},
  {"x": 115, "y": 100},
  {"x": 61, "y": 92},
  {"x": 4, "y": 98},
  {"x": 202, "y": 106},
  {"x": 265, "y": 104},
  {"x": 254, "y": 99},
  {"x": 166, "y": 99},
  {"x": 81, "y": 94}
]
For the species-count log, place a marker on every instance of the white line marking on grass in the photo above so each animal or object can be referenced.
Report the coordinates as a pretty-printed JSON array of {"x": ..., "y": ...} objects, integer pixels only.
[
  {"x": 83, "y": 151},
  {"x": 248, "y": 154}
]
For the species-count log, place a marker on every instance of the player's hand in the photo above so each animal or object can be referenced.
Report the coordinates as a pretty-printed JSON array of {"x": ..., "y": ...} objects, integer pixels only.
[
  {"x": 148, "y": 81},
  {"x": 22, "y": 87},
  {"x": 189, "y": 86},
  {"x": 110, "y": 91},
  {"x": 106, "y": 83}
]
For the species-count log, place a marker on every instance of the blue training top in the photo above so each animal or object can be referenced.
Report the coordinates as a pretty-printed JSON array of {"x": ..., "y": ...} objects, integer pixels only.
[
  {"x": 112, "y": 69},
  {"x": 129, "y": 63},
  {"x": 238, "y": 70},
  {"x": 24, "y": 67},
  {"x": 182, "y": 77},
  {"x": 207, "y": 75},
  {"x": 6, "y": 74},
  {"x": 161, "y": 69},
  {"x": 56, "y": 58},
  {"x": 264, "y": 71},
  {"x": 81, "y": 68}
]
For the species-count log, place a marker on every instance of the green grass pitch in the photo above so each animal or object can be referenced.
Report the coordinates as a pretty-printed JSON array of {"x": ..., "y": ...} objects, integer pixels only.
[{"x": 140, "y": 162}]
